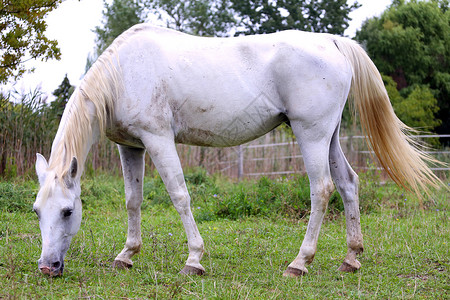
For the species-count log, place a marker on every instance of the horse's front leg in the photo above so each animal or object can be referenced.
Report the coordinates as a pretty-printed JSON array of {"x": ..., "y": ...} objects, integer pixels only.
[
  {"x": 164, "y": 155},
  {"x": 133, "y": 173}
]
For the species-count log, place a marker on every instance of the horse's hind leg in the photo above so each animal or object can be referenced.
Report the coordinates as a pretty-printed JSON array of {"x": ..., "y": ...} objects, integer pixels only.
[
  {"x": 315, "y": 145},
  {"x": 164, "y": 155},
  {"x": 133, "y": 172},
  {"x": 346, "y": 182}
]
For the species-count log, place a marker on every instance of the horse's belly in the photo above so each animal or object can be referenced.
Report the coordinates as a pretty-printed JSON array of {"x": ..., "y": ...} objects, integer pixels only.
[
  {"x": 227, "y": 133},
  {"x": 119, "y": 135},
  {"x": 235, "y": 117}
]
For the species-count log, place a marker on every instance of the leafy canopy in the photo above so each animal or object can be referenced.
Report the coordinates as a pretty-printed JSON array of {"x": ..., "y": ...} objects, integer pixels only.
[
  {"x": 117, "y": 17},
  {"x": 203, "y": 18},
  {"x": 22, "y": 35},
  {"x": 265, "y": 16},
  {"x": 417, "y": 109},
  {"x": 411, "y": 43},
  {"x": 218, "y": 17}
]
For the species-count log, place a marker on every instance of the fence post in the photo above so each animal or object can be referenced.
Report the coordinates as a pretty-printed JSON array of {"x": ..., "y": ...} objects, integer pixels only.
[{"x": 240, "y": 162}]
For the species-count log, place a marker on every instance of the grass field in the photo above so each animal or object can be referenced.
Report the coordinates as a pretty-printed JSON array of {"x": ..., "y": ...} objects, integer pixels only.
[{"x": 252, "y": 231}]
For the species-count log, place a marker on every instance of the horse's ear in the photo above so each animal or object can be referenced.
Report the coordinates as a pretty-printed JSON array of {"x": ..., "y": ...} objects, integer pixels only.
[
  {"x": 41, "y": 168},
  {"x": 71, "y": 173},
  {"x": 73, "y": 169}
]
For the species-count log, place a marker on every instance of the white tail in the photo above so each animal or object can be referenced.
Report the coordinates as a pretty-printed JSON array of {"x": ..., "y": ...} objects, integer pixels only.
[{"x": 398, "y": 152}]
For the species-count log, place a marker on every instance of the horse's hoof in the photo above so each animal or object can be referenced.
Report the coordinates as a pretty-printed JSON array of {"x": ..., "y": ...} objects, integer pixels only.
[
  {"x": 348, "y": 268},
  {"x": 294, "y": 272},
  {"x": 189, "y": 270},
  {"x": 118, "y": 264}
]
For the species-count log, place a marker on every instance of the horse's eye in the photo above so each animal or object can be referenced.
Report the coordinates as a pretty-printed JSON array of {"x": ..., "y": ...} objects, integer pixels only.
[{"x": 67, "y": 212}]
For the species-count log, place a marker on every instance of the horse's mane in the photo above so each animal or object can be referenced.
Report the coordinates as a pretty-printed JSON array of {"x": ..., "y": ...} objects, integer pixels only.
[{"x": 101, "y": 87}]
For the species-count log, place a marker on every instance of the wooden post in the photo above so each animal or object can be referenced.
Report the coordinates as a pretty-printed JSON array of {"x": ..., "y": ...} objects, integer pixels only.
[{"x": 240, "y": 162}]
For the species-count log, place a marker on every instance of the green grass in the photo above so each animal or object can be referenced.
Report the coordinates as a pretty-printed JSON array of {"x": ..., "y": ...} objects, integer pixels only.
[{"x": 247, "y": 249}]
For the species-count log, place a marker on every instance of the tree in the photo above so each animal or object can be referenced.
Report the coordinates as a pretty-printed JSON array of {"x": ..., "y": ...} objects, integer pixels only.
[
  {"x": 418, "y": 109},
  {"x": 411, "y": 43},
  {"x": 117, "y": 17},
  {"x": 203, "y": 18},
  {"x": 218, "y": 17},
  {"x": 22, "y": 35},
  {"x": 62, "y": 94},
  {"x": 265, "y": 16}
]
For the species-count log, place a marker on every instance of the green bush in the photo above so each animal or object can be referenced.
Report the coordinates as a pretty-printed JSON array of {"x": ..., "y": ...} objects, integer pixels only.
[
  {"x": 214, "y": 198},
  {"x": 102, "y": 190},
  {"x": 155, "y": 192},
  {"x": 287, "y": 197}
]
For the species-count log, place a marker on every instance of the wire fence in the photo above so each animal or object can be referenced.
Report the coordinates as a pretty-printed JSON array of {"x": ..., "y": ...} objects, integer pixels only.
[{"x": 277, "y": 154}]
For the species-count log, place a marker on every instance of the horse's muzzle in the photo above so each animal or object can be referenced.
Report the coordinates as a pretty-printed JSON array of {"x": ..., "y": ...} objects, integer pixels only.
[{"x": 56, "y": 269}]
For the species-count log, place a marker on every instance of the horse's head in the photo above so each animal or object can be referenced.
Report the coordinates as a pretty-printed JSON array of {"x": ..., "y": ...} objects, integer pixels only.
[{"x": 58, "y": 207}]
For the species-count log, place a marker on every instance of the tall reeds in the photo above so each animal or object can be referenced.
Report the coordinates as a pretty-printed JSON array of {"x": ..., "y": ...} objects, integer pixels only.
[{"x": 26, "y": 127}]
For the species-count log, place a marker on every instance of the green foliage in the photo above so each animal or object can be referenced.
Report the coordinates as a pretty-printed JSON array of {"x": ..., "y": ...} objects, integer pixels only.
[
  {"x": 22, "y": 27},
  {"x": 263, "y": 16},
  {"x": 418, "y": 109},
  {"x": 216, "y": 18},
  {"x": 198, "y": 177},
  {"x": 117, "y": 17},
  {"x": 286, "y": 197},
  {"x": 282, "y": 197},
  {"x": 203, "y": 18},
  {"x": 213, "y": 198},
  {"x": 102, "y": 190},
  {"x": 155, "y": 192},
  {"x": 62, "y": 94},
  {"x": 411, "y": 43}
]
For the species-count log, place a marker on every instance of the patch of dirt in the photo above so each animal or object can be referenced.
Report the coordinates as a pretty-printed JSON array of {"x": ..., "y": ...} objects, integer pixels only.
[
  {"x": 438, "y": 265},
  {"x": 414, "y": 276}
]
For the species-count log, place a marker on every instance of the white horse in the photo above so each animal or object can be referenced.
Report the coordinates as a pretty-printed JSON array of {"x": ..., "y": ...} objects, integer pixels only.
[{"x": 155, "y": 87}]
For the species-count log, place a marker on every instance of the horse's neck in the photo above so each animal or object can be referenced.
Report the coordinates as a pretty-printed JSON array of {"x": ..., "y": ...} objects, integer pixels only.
[
  {"x": 87, "y": 140},
  {"x": 75, "y": 135}
]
